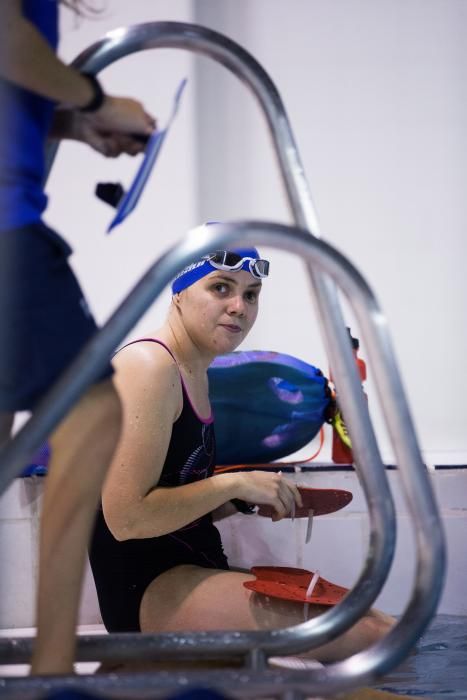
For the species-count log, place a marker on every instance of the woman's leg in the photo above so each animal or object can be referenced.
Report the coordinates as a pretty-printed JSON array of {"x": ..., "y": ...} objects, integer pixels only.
[
  {"x": 193, "y": 598},
  {"x": 82, "y": 447}
]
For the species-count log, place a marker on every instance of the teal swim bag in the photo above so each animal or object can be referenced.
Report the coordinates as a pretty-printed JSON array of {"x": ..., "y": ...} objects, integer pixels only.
[{"x": 266, "y": 405}]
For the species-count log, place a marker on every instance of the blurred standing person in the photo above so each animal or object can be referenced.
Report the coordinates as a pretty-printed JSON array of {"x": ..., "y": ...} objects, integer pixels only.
[{"x": 44, "y": 318}]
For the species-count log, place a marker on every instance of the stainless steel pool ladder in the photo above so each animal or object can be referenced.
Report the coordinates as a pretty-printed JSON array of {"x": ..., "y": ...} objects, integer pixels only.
[{"x": 328, "y": 270}]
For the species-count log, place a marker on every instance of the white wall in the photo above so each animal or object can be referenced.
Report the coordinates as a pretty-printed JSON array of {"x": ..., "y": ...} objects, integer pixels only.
[{"x": 376, "y": 96}]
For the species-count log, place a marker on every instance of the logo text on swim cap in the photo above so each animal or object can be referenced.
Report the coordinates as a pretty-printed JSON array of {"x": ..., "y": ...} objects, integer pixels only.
[{"x": 191, "y": 267}]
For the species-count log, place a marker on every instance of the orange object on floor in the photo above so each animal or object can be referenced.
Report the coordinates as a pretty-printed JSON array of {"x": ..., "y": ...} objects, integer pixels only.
[
  {"x": 320, "y": 501},
  {"x": 292, "y": 584}
]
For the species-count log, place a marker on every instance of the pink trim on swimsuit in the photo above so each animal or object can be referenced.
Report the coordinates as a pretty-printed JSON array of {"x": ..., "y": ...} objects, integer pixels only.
[{"x": 207, "y": 421}]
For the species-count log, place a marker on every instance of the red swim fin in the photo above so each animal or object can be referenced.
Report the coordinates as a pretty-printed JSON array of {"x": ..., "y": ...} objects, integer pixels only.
[
  {"x": 292, "y": 584},
  {"x": 320, "y": 501}
]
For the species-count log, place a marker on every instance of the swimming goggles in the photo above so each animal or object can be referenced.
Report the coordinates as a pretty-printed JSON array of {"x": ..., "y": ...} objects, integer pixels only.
[{"x": 228, "y": 260}]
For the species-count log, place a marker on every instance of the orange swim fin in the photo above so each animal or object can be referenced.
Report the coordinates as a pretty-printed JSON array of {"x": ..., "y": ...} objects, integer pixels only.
[{"x": 292, "y": 584}]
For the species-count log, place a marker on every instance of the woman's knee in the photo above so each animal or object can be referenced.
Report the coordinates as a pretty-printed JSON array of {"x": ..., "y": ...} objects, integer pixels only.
[{"x": 376, "y": 625}]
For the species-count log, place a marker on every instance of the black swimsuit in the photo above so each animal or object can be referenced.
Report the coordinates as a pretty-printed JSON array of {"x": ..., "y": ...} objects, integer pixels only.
[{"x": 123, "y": 570}]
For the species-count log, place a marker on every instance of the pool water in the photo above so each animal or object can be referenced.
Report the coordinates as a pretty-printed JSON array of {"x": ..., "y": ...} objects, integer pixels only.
[{"x": 438, "y": 669}]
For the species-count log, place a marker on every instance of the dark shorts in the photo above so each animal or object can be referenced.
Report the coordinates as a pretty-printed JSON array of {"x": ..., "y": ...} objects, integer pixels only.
[{"x": 44, "y": 317}]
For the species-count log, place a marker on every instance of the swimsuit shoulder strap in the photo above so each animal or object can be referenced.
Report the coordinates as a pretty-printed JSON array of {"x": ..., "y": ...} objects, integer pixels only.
[{"x": 148, "y": 340}]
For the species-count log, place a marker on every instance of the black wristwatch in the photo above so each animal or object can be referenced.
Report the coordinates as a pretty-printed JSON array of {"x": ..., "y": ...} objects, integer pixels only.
[
  {"x": 98, "y": 95},
  {"x": 243, "y": 506}
]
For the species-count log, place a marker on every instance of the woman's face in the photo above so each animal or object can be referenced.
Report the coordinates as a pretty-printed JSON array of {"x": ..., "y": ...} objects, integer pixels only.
[{"x": 219, "y": 310}]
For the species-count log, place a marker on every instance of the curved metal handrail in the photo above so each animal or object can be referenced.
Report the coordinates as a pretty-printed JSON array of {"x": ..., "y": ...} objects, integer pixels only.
[
  {"x": 365, "y": 666},
  {"x": 89, "y": 364},
  {"x": 123, "y": 42}
]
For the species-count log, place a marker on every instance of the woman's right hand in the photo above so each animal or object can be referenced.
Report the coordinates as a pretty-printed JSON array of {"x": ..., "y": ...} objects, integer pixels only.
[
  {"x": 122, "y": 115},
  {"x": 268, "y": 488}
]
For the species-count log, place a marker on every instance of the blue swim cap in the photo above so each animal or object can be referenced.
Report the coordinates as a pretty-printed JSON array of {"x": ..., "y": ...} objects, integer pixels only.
[{"x": 200, "y": 268}]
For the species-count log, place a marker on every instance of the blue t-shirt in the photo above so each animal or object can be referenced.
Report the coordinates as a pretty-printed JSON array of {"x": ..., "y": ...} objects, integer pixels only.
[{"x": 24, "y": 125}]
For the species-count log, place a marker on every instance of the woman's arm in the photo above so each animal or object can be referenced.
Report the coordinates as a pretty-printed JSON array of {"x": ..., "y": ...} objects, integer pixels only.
[
  {"x": 224, "y": 511},
  {"x": 148, "y": 382},
  {"x": 27, "y": 60}
]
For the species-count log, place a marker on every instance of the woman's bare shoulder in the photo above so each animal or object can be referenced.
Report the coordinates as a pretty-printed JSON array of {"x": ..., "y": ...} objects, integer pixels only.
[{"x": 146, "y": 366}]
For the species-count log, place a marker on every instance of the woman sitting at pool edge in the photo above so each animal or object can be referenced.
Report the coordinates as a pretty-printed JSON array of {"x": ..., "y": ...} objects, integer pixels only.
[{"x": 157, "y": 557}]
